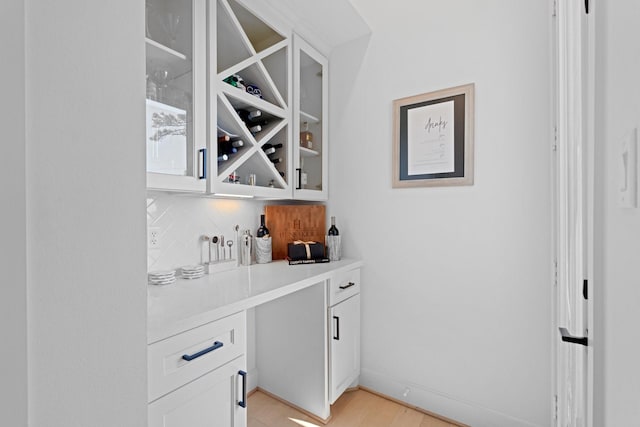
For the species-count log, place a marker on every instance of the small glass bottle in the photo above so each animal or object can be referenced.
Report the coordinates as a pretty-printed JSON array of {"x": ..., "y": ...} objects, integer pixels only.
[{"x": 306, "y": 137}]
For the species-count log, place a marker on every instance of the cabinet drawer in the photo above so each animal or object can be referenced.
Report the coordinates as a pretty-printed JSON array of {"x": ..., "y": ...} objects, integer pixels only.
[
  {"x": 344, "y": 285},
  {"x": 208, "y": 346}
]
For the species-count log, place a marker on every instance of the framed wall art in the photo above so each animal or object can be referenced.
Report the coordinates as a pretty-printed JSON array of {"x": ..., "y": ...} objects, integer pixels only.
[{"x": 433, "y": 138}]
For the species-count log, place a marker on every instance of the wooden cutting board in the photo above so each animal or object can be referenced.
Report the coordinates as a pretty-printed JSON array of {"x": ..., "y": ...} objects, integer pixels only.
[{"x": 287, "y": 223}]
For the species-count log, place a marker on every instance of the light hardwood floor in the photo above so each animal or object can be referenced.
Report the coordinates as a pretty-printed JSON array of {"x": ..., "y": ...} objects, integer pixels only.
[{"x": 357, "y": 408}]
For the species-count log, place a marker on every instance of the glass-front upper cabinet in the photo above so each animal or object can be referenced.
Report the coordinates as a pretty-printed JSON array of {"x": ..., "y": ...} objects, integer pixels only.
[
  {"x": 310, "y": 150},
  {"x": 176, "y": 94}
]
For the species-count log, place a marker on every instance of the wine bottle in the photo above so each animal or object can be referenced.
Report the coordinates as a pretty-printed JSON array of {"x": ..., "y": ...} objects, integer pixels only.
[
  {"x": 250, "y": 115},
  {"x": 227, "y": 148},
  {"x": 276, "y": 146},
  {"x": 224, "y": 138},
  {"x": 276, "y": 160},
  {"x": 268, "y": 151},
  {"x": 334, "y": 250},
  {"x": 223, "y": 158},
  {"x": 263, "y": 231},
  {"x": 263, "y": 243},
  {"x": 333, "y": 230},
  {"x": 255, "y": 129},
  {"x": 237, "y": 143},
  {"x": 306, "y": 137}
]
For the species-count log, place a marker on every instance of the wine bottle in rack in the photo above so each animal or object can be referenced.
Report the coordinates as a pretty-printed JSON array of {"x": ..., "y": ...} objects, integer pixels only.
[
  {"x": 250, "y": 116},
  {"x": 276, "y": 146},
  {"x": 254, "y": 129},
  {"x": 268, "y": 151},
  {"x": 223, "y": 158},
  {"x": 276, "y": 160}
]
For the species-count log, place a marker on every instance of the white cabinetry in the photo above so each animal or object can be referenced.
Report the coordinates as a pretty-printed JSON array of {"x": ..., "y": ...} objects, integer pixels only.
[
  {"x": 198, "y": 377},
  {"x": 249, "y": 63},
  {"x": 176, "y": 95},
  {"x": 344, "y": 332},
  {"x": 310, "y": 124}
]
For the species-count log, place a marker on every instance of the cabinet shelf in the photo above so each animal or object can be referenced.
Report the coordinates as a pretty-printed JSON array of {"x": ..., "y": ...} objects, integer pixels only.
[
  {"x": 306, "y": 117},
  {"x": 305, "y": 152},
  {"x": 158, "y": 50}
]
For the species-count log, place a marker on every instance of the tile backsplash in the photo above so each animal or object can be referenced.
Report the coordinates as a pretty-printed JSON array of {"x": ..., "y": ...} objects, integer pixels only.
[{"x": 181, "y": 220}]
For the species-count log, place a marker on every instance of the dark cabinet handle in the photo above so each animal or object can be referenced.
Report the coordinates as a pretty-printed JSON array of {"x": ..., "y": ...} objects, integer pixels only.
[
  {"x": 347, "y": 286},
  {"x": 243, "y": 402},
  {"x": 336, "y": 336},
  {"x": 203, "y": 152},
  {"x": 299, "y": 186},
  {"x": 586, "y": 6},
  {"x": 567, "y": 337},
  {"x": 189, "y": 357}
]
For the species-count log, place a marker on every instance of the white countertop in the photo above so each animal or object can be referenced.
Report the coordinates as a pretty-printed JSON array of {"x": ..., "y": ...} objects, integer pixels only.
[{"x": 186, "y": 304}]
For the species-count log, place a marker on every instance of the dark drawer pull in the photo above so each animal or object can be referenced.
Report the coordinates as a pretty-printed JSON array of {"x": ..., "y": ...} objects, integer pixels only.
[
  {"x": 348, "y": 286},
  {"x": 243, "y": 402},
  {"x": 336, "y": 336},
  {"x": 189, "y": 357}
]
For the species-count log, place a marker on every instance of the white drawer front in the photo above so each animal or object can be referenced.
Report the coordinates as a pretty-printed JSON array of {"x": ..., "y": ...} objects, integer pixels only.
[
  {"x": 225, "y": 339},
  {"x": 344, "y": 285}
]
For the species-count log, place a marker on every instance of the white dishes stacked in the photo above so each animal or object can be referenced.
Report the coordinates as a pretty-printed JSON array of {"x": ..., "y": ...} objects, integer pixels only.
[
  {"x": 163, "y": 277},
  {"x": 192, "y": 271}
]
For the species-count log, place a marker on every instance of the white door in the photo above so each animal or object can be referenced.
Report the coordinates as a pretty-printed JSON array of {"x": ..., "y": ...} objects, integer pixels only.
[
  {"x": 217, "y": 399},
  {"x": 344, "y": 345},
  {"x": 573, "y": 213}
]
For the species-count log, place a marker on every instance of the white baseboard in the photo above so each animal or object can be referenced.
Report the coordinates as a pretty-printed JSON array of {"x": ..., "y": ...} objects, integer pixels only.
[
  {"x": 439, "y": 403},
  {"x": 252, "y": 379}
]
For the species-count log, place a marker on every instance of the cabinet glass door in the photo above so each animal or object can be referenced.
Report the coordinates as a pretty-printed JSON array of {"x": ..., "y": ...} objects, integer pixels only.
[
  {"x": 175, "y": 99},
  {"x": 310, "y": 122}
]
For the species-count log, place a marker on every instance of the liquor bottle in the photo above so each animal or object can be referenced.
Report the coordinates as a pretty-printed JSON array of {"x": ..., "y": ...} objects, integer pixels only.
[
  {"x": 306, "y": 137},
  {"x": 333, "y": 230}
]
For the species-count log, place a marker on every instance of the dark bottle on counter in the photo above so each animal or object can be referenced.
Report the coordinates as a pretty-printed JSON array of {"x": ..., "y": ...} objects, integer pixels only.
[
  {"x": 263, "y": 243},
  {"x": 263, "y": 231},
  {"x": 333, "y": 230},
  {"x": 334, "y": 250}
]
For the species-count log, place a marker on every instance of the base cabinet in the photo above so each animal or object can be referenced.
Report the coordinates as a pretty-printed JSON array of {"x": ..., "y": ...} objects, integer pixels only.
[
  {"x": 216, "y": 399},
  {"x": 344, "y": 346}
]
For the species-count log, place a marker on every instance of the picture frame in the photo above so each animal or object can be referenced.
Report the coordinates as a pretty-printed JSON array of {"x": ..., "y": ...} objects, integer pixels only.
[{"x": 433, "y": 138}]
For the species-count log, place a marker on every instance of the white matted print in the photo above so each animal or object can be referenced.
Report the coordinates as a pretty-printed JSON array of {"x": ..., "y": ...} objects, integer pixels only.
[
  {"x": 430, "y": 139},
  {"x": 433, "y": 138}
]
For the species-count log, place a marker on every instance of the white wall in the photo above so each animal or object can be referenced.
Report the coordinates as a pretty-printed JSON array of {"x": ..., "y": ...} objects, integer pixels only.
[
  {"x": 85, "y": 213},
  {"x": 456, "y": 299},
  {"x": 13, "y": 252},
  {"x": 617, "y": 292}
]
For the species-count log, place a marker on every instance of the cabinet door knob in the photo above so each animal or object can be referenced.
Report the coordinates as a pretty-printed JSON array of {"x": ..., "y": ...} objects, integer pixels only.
[
  {"x": 243, "y": 402},
  {"x": 189, "y": 357}
]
